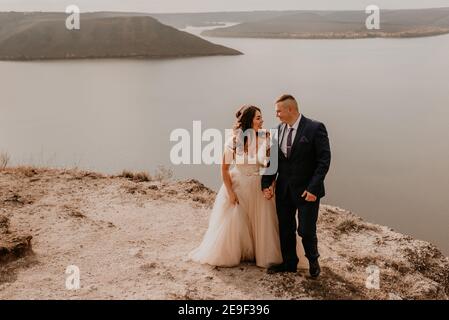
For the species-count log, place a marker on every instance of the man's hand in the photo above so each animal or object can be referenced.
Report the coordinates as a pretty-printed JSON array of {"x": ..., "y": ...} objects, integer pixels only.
[
  {"x": 308, "y": 196},
  {"x": 268, "y": 193}
]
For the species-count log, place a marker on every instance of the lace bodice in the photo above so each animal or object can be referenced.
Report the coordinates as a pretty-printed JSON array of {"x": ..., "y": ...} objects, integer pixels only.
[{"x": 250, "y": 162}]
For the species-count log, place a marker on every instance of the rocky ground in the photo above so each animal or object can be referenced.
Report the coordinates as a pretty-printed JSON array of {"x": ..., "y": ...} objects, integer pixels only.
[{"x": 130, "y": 237}]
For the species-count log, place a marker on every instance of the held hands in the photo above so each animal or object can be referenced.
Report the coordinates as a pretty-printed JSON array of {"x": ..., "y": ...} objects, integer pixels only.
[
  {"x": 308, "y": 196},
  {"x": 268, "y": 193}
]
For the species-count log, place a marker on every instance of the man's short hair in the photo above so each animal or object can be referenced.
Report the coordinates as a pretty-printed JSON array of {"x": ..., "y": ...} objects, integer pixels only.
[{"x": 285, "y": 97}]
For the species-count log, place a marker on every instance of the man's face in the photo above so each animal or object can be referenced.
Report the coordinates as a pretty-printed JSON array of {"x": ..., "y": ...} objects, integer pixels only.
[{"x": 281, "y": 112}]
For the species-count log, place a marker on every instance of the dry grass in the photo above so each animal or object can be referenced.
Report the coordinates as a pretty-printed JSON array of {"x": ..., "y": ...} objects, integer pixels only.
[
  {"x": 27, "y": 171},
  {"x": 4, "y": 223},
  {"x": 354, "y": 225},
  {"x": 4, "y": 159},
  {"x": 163, "y": 173},
  {"x": 126, "y": 174},
  {"x": 422, "y": 259},
  {"x": 136, "y": 176},
  {"x": 73, "y": 211}
]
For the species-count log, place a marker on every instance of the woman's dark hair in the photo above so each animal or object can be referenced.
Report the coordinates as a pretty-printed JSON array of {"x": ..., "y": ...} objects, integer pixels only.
[{"x": 245, "y": 116}]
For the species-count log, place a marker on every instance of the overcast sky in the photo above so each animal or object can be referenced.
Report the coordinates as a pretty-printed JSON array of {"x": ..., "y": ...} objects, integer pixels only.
[{"x": 211, "y": 5}]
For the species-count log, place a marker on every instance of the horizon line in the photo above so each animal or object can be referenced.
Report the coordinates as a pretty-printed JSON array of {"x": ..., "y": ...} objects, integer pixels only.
[{"x": 231, "y": 11}]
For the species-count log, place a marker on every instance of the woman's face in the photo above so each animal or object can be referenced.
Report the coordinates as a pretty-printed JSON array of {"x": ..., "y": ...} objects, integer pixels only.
[{"x": 257, "y": 121}]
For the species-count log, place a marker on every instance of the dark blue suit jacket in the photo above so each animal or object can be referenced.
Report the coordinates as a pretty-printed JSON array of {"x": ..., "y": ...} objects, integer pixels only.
[{"x": 308, "y": 164}]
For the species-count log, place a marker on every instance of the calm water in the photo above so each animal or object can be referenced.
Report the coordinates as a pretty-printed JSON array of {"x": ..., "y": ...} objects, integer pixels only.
[{"x": 385, "y": 103}]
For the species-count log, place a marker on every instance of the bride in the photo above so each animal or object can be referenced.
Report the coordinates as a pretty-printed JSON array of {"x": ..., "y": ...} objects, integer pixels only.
[{"x": 243, "y": 224}]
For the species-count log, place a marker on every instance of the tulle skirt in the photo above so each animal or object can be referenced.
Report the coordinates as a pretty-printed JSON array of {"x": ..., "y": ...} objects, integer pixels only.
[{"x": 245, "y": 232}]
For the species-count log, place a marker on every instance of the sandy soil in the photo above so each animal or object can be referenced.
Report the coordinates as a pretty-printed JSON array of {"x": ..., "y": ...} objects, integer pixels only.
[{"x": 130, "y": 240}]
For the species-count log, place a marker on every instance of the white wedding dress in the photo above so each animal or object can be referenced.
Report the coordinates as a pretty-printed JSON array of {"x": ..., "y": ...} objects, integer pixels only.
[{"x": 247, "y": 231}]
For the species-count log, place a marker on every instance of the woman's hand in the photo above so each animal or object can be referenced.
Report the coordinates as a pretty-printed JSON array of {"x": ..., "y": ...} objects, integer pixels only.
[{"x": 233, "y": 198}]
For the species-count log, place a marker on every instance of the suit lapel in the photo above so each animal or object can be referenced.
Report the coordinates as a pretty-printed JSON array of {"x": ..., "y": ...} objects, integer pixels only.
[
  {"x": 281, "y": 130},
  {"x": 301, "y": 126}
]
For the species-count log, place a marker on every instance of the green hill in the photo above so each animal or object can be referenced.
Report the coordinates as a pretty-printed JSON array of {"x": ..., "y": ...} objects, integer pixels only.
[{"x": 30, "y": 36}]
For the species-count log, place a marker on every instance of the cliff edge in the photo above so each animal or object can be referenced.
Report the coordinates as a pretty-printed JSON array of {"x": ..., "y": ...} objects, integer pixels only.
[{"x": 129, "y": 235}]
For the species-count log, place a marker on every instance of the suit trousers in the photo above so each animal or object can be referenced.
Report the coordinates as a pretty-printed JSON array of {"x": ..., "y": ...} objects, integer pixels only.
[{"x": 288, "y": 206}]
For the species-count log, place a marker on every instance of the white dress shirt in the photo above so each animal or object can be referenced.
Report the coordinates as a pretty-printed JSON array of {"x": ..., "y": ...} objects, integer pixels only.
[{"x": 284, "y": 134}]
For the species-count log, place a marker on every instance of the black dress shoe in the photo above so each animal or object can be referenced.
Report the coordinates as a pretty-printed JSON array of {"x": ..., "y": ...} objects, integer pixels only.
[
  {"x": 281, "y": 268},
  {"x": 314, "y": 269}
]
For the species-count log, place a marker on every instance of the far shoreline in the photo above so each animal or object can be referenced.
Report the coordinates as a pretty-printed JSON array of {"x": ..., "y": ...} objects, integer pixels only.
[
  {"x": 318, "y": 36},
  {"x": 96, "y": 58}
]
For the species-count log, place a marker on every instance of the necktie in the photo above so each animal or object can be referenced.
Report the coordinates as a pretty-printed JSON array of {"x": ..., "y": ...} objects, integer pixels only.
[{"x": 289, "y": 142}]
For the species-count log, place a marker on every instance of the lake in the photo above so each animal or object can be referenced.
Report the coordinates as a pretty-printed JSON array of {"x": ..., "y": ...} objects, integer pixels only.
[{"x": 384, "y": 101}]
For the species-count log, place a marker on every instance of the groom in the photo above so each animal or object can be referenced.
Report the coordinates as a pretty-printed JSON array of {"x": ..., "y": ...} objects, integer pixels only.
[{"x": 303, "y": 163}]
